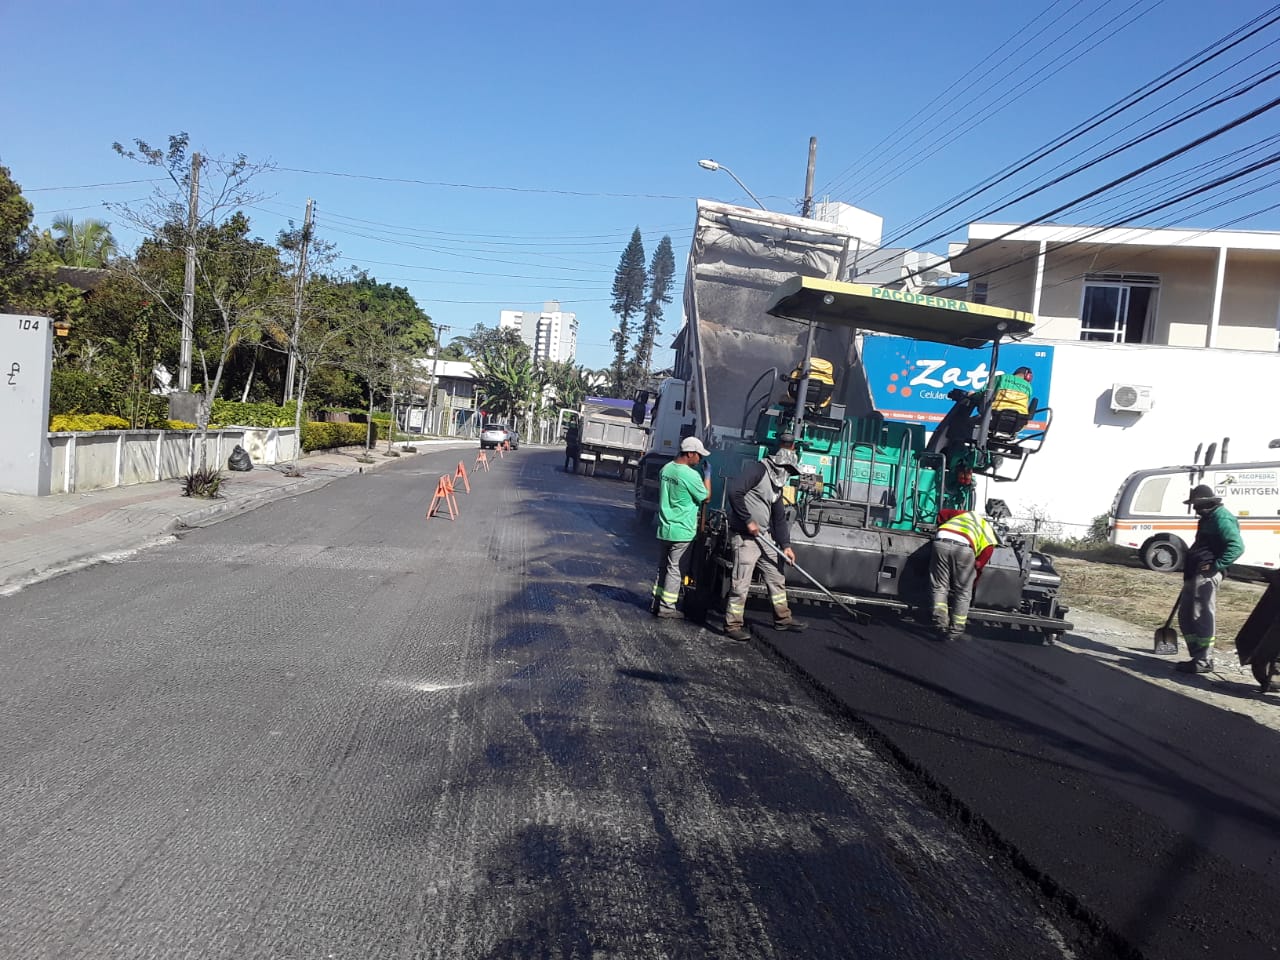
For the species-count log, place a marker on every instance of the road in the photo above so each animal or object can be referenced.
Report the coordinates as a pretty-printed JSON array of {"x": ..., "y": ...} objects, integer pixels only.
[{"x": 333, "y": 728}]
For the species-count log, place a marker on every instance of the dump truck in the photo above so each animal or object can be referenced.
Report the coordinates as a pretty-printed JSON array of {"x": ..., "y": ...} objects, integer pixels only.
[
  {"x": 771, "y": 348},
  {"x": 602, "y": 436}
]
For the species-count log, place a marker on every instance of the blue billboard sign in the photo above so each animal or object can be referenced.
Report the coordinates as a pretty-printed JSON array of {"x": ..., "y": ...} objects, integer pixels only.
[{"x": 909, "y": 379}]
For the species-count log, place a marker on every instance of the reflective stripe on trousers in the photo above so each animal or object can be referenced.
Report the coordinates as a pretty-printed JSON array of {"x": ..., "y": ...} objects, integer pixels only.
[
  {"x": 1197, "y": 614},
  {"x": 952, "y": 570},
  {"x": 673, "y": 566},
  {"x": 748, "y": 557}
]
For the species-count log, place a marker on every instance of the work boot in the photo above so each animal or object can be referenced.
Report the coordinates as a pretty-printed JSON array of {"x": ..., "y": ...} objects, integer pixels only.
[
  {"x": 668, "y": 613},
  {"x": 1195, "y": 666},
  {"x": 739, "y": 633},
  {"x": 790, "y": 626}
]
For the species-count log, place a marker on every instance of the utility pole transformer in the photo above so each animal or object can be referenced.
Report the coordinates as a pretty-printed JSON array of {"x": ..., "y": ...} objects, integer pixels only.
[
  {"x": 300, "y": 280},
  {"x": 807, "y": 209},
  {"x": 189, "y": 278}
]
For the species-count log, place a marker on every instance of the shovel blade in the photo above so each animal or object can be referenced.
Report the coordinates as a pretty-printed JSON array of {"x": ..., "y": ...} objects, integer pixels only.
[{"x": 1166, "y": 642}]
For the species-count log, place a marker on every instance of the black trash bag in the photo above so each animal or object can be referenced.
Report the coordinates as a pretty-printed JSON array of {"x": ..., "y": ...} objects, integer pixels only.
[{"x": 239, "y": 460}]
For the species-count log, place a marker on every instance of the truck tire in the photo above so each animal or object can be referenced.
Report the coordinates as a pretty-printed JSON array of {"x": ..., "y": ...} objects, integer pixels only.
[
  {"x": 1163, "y": 554},
  {"x": 589, "y": 468}
]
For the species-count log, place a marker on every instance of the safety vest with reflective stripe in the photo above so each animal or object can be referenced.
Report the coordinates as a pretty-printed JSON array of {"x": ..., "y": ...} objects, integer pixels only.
[
  {"x": 973, "y": 528},
  {"x": 1012, "y": 393}
]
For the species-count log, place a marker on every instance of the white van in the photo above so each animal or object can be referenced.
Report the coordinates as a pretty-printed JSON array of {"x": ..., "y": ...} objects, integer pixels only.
[{"x": 1148, "y": 512}]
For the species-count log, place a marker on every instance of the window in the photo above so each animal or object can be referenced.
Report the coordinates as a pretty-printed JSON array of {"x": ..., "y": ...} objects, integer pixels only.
[
  {"x": 1118, "y": 307},
  {"x": 1150, "y": 498}
]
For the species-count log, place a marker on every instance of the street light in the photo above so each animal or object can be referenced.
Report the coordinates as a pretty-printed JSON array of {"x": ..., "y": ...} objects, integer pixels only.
[{"x": 712, "y": 165}]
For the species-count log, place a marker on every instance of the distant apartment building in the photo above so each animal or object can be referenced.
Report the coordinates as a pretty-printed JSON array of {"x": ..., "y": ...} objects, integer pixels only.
[{"x": 551, "y": 334}]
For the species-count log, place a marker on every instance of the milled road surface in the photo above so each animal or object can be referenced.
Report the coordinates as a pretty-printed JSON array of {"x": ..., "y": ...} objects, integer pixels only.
[{"x": 332, "y": 728}]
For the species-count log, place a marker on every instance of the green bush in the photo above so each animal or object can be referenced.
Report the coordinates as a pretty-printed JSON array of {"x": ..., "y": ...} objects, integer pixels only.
[
  {"x": 87, "y": 421},
  {"x": 73, "y": 391},
  {"x": 326, "y": 436},
  {"x": 228, "y": 413}
]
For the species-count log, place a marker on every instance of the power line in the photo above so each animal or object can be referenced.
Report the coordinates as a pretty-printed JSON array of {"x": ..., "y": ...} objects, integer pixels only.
[
  {"x": 1245, "y": 118},
  {"x": 894, "y": 171},
  {"x": 1123, "y": 221},
  {"x": 91, "y": 186},
  {"x": 1108, "y": 113},
  {"x": 1238, "y": 121},
  {"x": 858, "y": 165},
  {"x": 481, "y": 186},
  {"x": 508, "y": 236}
]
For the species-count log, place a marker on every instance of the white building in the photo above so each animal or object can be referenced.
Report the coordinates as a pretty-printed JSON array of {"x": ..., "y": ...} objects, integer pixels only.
[
  {"x": 551, "y": 334},
  {"x": 866, "y": 226}
]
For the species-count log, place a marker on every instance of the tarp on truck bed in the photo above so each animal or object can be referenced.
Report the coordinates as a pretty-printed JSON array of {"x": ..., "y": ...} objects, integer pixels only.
[{"x": 737, "y": 259}]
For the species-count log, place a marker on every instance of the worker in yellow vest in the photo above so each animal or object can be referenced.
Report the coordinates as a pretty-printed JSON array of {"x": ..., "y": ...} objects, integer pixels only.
[{"x": 961, "y": 548}]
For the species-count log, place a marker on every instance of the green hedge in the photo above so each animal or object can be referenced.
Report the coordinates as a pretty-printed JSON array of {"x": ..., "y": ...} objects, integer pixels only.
[
  {"x": 325, "y": 436},
  {"x": 233, "y": 413}
]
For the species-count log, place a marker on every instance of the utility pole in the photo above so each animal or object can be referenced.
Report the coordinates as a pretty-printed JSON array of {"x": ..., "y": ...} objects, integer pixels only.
[
  {"x": 807, "y": 209},
  {"x": 189, "y": 278},
  {"x": 431, "y": 390},
  {"x": 300, "y": 280}
]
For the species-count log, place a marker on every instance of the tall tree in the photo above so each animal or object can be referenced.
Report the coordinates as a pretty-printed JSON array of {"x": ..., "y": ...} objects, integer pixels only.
[
  {"x": 511, "y": 381},
  {"x": 27, "y": 281},
  {"x": 80, "y": 243},
  {"x": 569, "y": 382},
  {"x": 661, "y": 269},
  {"x": 234, "y": 272},
  {"x": 628, "y": 300}
]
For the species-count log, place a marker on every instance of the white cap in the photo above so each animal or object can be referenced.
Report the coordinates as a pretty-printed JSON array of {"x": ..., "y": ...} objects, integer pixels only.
[{"x": 694, "y": 445}]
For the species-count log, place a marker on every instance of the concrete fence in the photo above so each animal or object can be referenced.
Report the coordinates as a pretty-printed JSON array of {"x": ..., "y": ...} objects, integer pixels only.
[{"x": 93, "y": 460}]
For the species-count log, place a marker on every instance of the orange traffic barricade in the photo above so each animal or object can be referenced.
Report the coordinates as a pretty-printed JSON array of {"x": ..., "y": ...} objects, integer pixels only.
[
  {"x": 462, "y": 472},
  {"x": 443, "y": 495},
  {"x": 482, "y": 461}
]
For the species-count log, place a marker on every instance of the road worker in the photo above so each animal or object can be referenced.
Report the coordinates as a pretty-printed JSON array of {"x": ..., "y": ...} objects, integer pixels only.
[
  {"x": 755, "y": 504},
  {"x": 961, "y": 548},
  {"x": 681, "y": 491},
  {"x": 1217, "y": 545},
  {"x": 1013, "y": 392}
]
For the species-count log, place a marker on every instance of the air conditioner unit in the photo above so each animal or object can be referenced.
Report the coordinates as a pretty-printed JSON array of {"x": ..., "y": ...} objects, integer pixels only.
[{"x": 1130, "y": 398}]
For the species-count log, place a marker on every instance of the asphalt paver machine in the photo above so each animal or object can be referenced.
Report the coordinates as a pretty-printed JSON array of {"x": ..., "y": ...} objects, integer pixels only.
[{"x": 866, "y": 505}]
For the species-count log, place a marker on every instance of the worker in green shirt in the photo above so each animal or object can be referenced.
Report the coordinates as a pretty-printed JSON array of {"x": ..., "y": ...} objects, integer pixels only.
[
  {"x": 681, "y": 491},
  {"x": 1217, "y": 545}
]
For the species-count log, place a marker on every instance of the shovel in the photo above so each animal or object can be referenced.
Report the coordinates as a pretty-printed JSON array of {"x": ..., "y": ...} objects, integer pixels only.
[{"x": 1166, "y": 638}]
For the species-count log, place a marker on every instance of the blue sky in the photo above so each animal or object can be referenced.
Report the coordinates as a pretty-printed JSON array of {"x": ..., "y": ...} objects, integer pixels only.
[{"x": 544, "y": 133}]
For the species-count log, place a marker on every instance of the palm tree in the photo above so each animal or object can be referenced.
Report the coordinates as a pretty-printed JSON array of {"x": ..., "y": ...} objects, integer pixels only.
[{"x": 88, "y": 243}]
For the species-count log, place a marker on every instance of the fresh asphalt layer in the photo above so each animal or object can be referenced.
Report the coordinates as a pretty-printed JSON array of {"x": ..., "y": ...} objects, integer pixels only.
[
  {"x": 334, "y": 728},
  {"x": 1158, "y": 814}
]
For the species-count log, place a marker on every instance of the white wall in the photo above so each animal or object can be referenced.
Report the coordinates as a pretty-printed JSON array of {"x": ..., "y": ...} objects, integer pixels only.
[
  {"x": 26, "y": 351},
  {"x": 1201, "y": 396}
]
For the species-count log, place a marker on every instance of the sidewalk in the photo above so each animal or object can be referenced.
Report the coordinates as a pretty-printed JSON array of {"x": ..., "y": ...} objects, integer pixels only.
[{"x": 41, "y": 537}]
